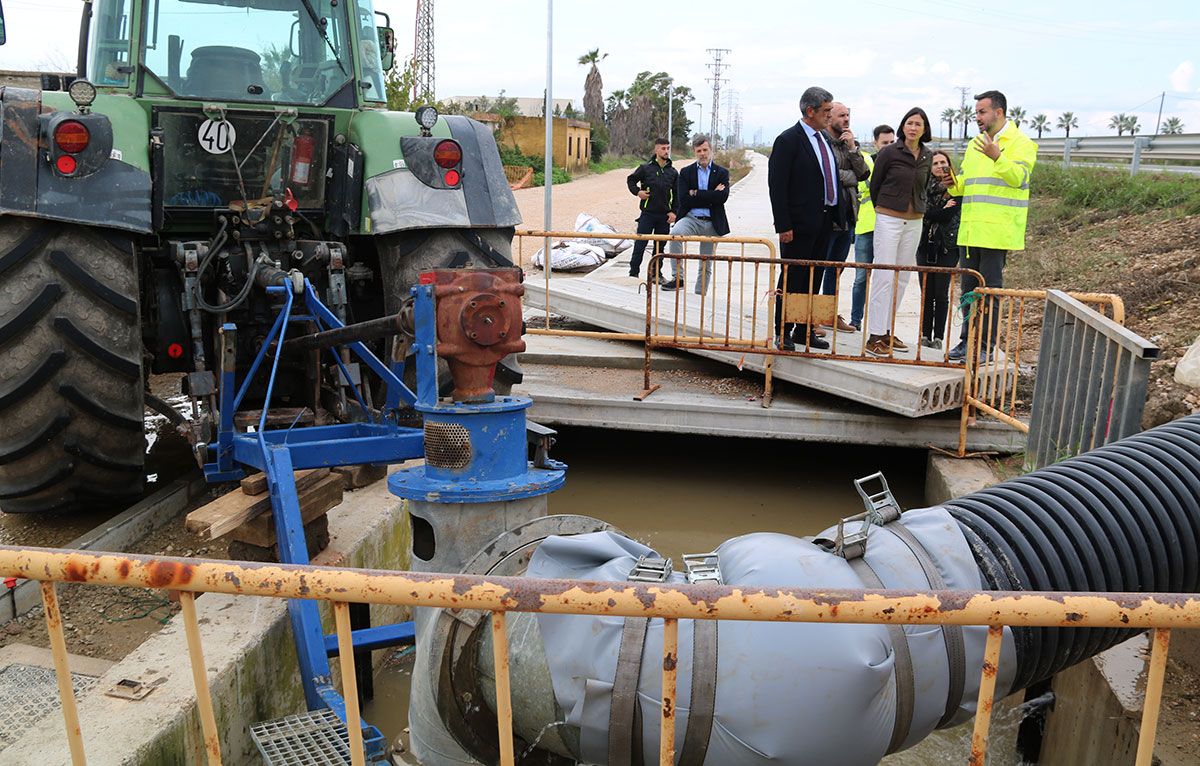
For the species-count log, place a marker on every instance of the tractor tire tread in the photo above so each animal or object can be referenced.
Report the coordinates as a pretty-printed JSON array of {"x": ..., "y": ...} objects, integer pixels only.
[
  {"x": 10, "y": 453},
  {"x": 71, "y": 348},
  {"x": 31, "y": 313},
  {"x": 127, "y": 368},
  {"x": 84, "y": 279}
]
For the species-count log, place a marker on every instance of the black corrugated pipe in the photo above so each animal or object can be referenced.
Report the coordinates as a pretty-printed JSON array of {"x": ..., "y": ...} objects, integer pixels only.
[{"x": 1122, "y": 518}]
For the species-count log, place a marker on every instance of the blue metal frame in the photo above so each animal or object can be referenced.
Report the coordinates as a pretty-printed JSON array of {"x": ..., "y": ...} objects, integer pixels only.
[
  {"x": 279, "y": 453},
  {"x": 381, "y": 637}
]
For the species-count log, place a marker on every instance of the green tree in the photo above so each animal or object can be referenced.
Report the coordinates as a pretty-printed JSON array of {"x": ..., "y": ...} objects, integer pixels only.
[
  {"x": 950, "y": 116},
  {"x": 1132, "y": 125},
  {"x": 1066, "y": 121},
  {"x": 654, "y": 87},
  {"x": 1172, "y": 126},
  {"x": 593, "y": 86},
  {"x": 1040, "y": 122},
  {"x": 1117, "y": 122},
  {"x": 398, "y": 86},
  {"x": 1017, "y": 115},
  {"x": 964, "y": 115}
]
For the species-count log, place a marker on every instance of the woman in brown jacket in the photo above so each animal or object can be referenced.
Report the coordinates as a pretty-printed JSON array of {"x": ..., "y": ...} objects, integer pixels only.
[{"x": 898, "y": 188}]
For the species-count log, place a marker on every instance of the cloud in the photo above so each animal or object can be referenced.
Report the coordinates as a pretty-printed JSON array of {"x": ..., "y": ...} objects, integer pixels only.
[
  {"x": 910, "y": 69},
  {"x": 1181, "y": 78}
]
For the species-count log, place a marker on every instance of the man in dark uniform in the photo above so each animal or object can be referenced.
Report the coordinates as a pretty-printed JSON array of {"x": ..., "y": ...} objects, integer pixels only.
[
  {"x": 654, "y": 185},
  {"x": 803, "y": 184}
]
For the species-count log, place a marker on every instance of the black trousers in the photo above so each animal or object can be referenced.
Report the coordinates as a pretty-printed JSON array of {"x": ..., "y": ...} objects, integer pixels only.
[
  {"x": 937, "y": 298},
  {"x": 989, "y": 263},
  {"x": 810, "y": 246},
  {"x": 648, "y": 223}
]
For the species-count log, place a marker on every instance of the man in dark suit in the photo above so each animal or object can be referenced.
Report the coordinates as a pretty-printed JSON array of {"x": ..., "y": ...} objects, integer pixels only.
[
  {"x": 700, "y": 195},
  {"x": 803, "y": 183}
]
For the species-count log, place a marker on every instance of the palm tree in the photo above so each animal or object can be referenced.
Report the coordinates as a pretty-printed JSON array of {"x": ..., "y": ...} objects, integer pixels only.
[
  {"x": 1066, "y": 121},
  {"x": 1131, "y": 124},
  {"x": 1017, "y": 115},
  {"x": 1172, "y": 126},
  {"x": 965, "y": 114},
  {"x": 1039, "y": 123},
  {"x": 593, "y": 98},
  {"x": 950, "y": 116},
  {"x": 1117, "y": 123}
]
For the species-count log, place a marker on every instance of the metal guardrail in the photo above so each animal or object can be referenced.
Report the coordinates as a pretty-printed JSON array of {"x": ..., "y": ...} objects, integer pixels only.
[
  {"x": 671, "y": 603},
  {"x": 1114, "y": 149},
  {"x": 1091, "y": 383},
  {"x": 999, "y": 322}
]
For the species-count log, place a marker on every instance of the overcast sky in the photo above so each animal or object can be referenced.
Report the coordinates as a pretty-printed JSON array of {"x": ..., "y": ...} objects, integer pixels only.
[{"x": 1095, "y": 58}]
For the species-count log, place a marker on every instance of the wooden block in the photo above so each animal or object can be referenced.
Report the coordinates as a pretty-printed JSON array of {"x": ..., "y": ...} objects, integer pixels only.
[
  {"x": 357, "y": 476},
  {"x": 231, "y": 510},
  {"x": 257, "y": 484},
  {"x": 314, "y": 503},
  {"x": 316, "y": 536}
]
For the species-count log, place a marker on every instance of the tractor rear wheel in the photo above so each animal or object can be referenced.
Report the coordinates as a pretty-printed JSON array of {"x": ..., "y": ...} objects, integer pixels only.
[{"x": 71, "y": 355}]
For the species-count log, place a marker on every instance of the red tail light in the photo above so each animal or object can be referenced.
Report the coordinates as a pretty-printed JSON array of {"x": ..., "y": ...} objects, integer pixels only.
[
  {"x": 71, "y": 136},
  {"x": 452, "y": 178},
  {"x": 66, "y": 164},
  {"x": 447, "y": 154}
]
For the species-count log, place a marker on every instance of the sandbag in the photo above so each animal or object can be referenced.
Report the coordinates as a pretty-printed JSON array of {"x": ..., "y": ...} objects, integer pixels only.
[
  {"x": 590, "y": 223},
  {"x": 1187, "y": 372},
  {"x": 570, "y": 256}
]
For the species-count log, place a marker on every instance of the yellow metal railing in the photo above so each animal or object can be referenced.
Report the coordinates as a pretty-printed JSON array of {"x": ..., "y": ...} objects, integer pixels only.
[{"x": 671, "y": 603}]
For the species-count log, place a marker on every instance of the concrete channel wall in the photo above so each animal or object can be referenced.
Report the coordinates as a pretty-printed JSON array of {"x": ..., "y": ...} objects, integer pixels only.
[{"x": 249, "y": 654}]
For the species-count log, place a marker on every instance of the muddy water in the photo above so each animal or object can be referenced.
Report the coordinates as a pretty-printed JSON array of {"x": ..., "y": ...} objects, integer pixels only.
[{"x": 687, "y": 495}]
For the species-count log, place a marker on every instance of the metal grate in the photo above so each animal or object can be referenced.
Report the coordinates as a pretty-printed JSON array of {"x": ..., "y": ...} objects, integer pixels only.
[
  {"x": 316, "y": 738},
  {"x": 29, "y": 693},
  {"x": 447, "y": 445}
]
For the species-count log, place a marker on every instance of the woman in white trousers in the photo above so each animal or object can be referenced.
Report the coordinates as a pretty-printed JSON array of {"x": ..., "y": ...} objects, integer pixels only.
[{"x": 898, "y": 188}]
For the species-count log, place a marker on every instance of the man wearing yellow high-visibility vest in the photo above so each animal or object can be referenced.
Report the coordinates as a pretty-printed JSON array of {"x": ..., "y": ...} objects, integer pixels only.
[
  {"x": 864, "y": 230},
  {"x": 994, "y": 187}
]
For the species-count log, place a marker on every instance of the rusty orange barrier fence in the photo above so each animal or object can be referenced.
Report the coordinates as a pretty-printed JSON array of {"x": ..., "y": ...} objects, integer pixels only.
[
  {"x": 728, "y": 301},
  {"x": 500, "y": 595}
]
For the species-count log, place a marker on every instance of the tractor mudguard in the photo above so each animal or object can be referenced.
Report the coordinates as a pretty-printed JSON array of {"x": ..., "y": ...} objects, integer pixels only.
[
  {"x": 403, "y": 196},
  {"x": 116, "y": 195}
]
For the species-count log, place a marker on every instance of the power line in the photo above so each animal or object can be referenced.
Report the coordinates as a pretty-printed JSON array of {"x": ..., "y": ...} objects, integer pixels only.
[{"x": 717, "y": 66}]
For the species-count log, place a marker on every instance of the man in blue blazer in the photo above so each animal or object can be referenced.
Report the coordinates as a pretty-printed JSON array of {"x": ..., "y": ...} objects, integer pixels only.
[
  {"x": 700, "y": 195},
  {"x": 803, "y": 184}
]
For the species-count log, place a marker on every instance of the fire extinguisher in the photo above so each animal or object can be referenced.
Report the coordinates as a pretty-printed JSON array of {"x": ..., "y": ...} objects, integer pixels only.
[{"x": 302, "y": 157}]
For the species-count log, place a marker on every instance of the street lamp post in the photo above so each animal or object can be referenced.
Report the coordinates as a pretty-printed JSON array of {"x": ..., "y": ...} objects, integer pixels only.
[{"x": 670, "y": 114}]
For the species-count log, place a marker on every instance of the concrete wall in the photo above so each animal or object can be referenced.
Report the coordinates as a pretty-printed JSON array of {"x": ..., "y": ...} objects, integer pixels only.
[{"x": 249, "y": 654}]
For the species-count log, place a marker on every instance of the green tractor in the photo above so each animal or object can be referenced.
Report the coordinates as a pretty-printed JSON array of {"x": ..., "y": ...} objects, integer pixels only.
[{"x": 204, "y": 144}]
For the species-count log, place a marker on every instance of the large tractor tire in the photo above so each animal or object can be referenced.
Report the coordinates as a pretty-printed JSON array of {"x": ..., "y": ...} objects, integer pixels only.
[
  {"x": 71, "y": 422},
  {"x": 402, "y": 258}
]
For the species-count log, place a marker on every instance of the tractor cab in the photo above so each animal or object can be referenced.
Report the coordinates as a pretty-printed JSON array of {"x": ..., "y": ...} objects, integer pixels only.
[
  {"x": 300, "y": 52},
  {"x": 266, "y": 80}
]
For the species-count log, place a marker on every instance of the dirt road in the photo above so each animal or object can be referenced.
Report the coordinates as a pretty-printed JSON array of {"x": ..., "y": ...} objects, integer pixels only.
[{"x": 604, "y": 195}]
